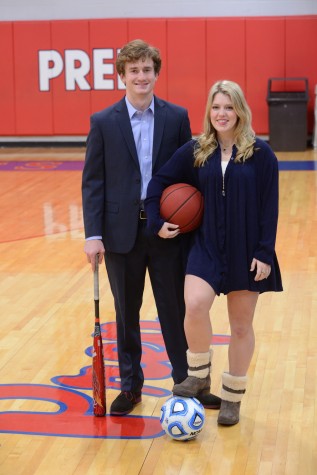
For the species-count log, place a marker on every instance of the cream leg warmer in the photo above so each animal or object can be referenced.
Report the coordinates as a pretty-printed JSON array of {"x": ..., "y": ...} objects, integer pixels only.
[
  {"x": 199, "y": 364},
  {"x": 233, "y": 387}
]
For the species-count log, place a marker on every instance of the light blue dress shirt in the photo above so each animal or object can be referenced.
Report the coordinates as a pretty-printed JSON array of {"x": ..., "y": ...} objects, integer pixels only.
[{"x": 142, "y": 123}]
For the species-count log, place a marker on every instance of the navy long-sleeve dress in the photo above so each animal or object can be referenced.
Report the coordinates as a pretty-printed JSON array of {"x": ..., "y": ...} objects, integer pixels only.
[{"x": 240, "y": 216}]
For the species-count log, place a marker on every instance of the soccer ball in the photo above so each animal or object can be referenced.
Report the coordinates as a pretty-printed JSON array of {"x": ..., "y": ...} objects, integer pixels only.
[{"x": 182, "y": 418}]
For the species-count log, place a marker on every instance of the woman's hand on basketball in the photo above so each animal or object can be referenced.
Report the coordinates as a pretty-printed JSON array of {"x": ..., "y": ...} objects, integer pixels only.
[{"x": 169, "y": 230}]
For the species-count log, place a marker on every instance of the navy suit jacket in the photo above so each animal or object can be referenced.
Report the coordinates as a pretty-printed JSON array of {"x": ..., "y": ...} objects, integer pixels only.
[{"x": 111, "y": 184}]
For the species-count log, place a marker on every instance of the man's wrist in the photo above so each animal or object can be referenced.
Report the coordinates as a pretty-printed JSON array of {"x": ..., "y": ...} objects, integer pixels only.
[{"x": 94, "y": 238}]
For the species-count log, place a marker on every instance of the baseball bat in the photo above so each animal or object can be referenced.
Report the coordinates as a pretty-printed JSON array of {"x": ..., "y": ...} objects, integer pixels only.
[{"x": 98, "y": 365}]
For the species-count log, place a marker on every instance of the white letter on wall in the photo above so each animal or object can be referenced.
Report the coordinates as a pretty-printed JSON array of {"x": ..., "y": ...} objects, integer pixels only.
[
  {"x": 121, "y": 86},
  {"x": 50, "y": 66},
  {"x": 101, "y": 69},
  {"x": 76, "y": 75}
]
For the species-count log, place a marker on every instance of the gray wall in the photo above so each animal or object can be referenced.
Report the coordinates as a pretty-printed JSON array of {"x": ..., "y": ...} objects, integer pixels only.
[{"x": 11, "y": 10}]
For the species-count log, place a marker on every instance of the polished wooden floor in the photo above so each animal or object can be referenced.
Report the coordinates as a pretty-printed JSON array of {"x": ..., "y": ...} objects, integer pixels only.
[{"x": 46, "y": 306}]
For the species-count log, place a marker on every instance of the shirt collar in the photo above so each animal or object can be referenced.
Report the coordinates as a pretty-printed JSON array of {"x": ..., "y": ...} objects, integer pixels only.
[{"x": 132, "y": 110}]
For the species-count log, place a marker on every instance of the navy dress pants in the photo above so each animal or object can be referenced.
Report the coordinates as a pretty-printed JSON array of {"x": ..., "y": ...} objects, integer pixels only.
[{"x": 164, "y": 260}]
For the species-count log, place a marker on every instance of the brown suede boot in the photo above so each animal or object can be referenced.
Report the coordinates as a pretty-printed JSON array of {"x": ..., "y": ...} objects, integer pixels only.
[
  {"x": 198, "y": 375},
  {"x": 233, "y": 389},
  {"x": 190, "y": 387},
  {"x": 207, "y": 399}
]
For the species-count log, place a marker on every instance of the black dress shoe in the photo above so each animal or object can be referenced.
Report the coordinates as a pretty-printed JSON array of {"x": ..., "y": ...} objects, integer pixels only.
[
  {"x": 124, "y": 403},
  {"x": 208, "y": 400}
]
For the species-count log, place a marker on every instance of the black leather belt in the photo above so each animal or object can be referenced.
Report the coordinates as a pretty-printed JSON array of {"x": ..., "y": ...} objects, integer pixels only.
[{"x": 142, "y": 214}]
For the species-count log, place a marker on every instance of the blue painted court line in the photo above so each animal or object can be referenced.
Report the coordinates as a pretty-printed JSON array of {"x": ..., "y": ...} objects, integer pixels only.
[
  {"x": 297, "y": 166},
  {"x": 41, "y": 166},
  {"x": 308, "y": 165}
]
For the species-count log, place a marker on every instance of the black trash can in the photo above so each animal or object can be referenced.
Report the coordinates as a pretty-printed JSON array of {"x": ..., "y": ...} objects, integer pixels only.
[{"x": 288, "y": 114}]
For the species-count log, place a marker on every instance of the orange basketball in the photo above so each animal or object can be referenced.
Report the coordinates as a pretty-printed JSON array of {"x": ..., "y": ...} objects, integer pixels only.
[{"x": 182, "y": 204}]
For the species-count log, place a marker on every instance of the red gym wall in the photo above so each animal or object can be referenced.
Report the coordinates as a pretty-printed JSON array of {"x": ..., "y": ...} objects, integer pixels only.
[{"x": 195, "y": 51}]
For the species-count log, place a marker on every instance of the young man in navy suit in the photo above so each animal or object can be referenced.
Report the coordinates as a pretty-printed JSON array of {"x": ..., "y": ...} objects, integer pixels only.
[{"x": 127, "y": 143}]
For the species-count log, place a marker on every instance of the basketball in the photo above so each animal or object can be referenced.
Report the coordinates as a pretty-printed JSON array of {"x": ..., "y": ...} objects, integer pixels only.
[{"x": 182, "y": 204}]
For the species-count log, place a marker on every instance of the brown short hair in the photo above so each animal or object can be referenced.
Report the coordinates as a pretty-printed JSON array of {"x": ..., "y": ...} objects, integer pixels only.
[{"x": 135, "y": 50}]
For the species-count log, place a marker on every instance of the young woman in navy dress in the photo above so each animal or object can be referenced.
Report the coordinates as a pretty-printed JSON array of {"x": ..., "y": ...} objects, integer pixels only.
[{"x": 233, "y": 251}]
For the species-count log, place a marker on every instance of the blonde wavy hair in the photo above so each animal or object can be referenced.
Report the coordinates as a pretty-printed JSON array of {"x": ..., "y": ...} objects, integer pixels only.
[{"x": 244, "y": 136}]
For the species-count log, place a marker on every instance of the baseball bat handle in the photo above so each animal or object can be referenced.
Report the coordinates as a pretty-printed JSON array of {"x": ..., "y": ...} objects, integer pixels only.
[{"x": 96, "y": 278}]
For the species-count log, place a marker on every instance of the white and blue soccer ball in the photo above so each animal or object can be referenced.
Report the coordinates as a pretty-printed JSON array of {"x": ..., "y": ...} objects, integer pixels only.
[{"x": 182, "y": 418}]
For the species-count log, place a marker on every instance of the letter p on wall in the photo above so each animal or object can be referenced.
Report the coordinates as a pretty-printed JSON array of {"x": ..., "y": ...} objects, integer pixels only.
[{"x": 50, "y": 66}]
